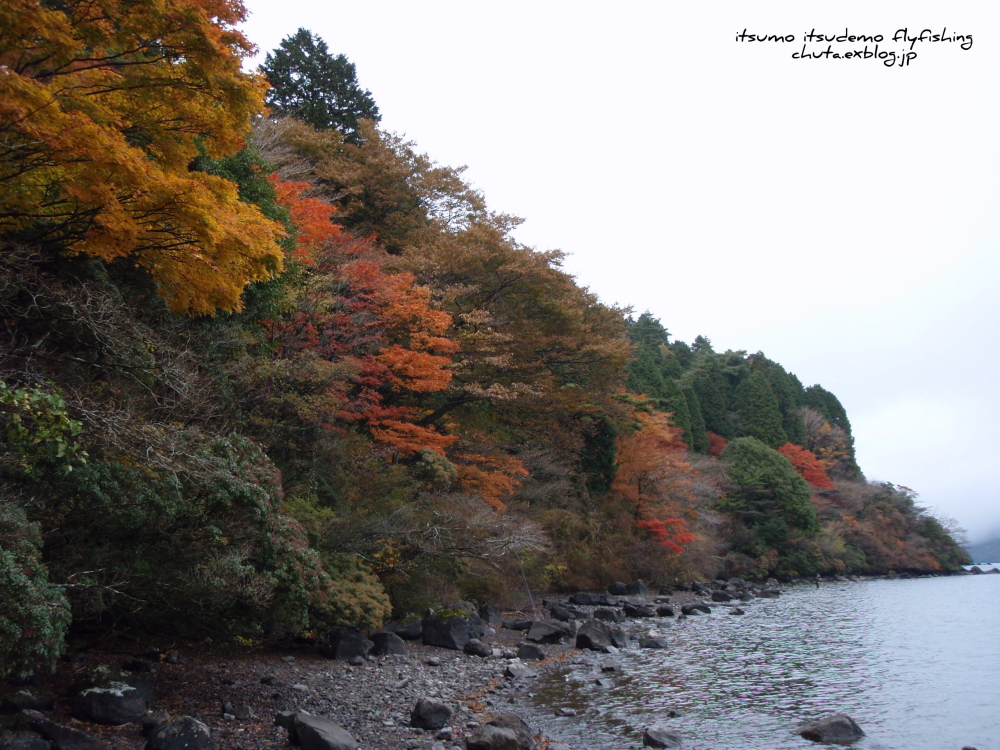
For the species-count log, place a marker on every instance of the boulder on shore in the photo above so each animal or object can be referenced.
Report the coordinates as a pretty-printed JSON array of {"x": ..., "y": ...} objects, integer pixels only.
[
  {"x": 505, "y": 732},
  {"x": 429, "y": 714},
  {"x": 549, "y": 631},
  {"x": 453, "y": 632},
  {"x": 182, "y": 733},
  {"x": 598, "y": 635},
  {"x": 838, "y": 728},
  {"x": 659, "y": 736}
]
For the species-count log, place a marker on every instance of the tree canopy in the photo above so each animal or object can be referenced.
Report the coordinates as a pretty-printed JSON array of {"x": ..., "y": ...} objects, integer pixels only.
[{"x": 309, "y": 83}]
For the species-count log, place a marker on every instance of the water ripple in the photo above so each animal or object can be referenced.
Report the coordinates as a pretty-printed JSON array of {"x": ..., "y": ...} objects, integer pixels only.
[{"x": 915, "y": 662}]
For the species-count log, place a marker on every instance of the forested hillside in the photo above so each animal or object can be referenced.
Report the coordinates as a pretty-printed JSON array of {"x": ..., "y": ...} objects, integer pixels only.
[{"x": 265, "y": 368}]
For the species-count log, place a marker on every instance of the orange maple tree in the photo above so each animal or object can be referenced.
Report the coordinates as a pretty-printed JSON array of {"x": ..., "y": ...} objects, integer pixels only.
[
  {"x": 716, "y": 444},
  {"x": 806, "y": 464},
  {"x": 654, "y": 477},
  {"x": 103, "y": 106}
]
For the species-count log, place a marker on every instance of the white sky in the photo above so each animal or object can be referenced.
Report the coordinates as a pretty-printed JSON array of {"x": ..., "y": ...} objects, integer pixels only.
[{"x": 840, "y": 215}]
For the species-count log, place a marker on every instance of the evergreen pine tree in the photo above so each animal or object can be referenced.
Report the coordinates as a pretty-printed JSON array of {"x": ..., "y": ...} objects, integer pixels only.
[
  {"x": 310, "y": 84},
  {"x": 699, "y": 436},
  {"x": 784, "y": 390},
  {"x": 675, "y": 403},
  {"x": 712, "y": 389},
  {"x": 759, "y": 412}
]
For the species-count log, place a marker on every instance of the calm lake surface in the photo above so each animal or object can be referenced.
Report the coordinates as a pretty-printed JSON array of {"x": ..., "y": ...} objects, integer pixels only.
[{"x": 915, "y": 662}]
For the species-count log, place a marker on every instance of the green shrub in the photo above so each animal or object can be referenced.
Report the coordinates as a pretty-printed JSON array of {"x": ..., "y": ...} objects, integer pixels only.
[
  {"x": 34, "y": 615},
  {"x": 201, "y": 548}
]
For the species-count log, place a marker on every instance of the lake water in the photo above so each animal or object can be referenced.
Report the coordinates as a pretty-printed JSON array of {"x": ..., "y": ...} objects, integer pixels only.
[{"x": 915, "y": 662}]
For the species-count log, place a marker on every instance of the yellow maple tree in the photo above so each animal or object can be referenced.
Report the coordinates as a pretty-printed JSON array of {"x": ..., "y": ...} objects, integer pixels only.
[{"x": 103, "y": 106}]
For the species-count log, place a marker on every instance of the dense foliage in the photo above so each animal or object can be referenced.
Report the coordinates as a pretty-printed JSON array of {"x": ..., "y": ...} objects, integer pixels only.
[{"x": 307, "y": 381}]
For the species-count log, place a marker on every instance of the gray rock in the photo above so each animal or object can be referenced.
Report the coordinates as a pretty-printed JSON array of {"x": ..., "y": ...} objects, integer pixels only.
[
  {"x": 452, "y": 633},
  {"x": 319, "y": 733},
  {"x": 565, "y": 712},
  {"x": 768, "y": 594},
  {"x": 638, "y": 610},
  {"x": 593, "y": 635},
  {"x": 664, "y": 610},
  {"x": 565, "y": 614},
  {"x": 659, "y": 736},
  {"x": 346, "y": 644},
  {"x": 585, "y": 600},
  {"x": 62, "y": 738},
  {"x": 408, "y": 630},
  {"x": 651, "y": 641},
  {"x": 446, "y": 735},
  {"x": 152, "y": 721},
  {"x": 721, "y": 596},
  {"x": 618, "y": 589},
  {"x": 489, "y": 737},
  {"x": 429, "y": 714},
  {"x": 182, "y": 733},
  {"x": 609, "y": 665},
  {"x": 476, "y": 647},
  {"x": 530, "y": 652},
  {"x": 237, "y": 710},
  {"x": 736, "y": 611},
  {"x": 388, "y": 643},
  {"x": 517, "y": 624},
  {"x": 604, "y": 682},
  {"x": 27, "y": 700},
  {"x": 549, "y": 631},
  {"x": 505, "y": 732},
  {"x": 112, "y": 703},
  {"x": 490, "y": 615},
  {"x": 23, "y": 741},
  {"x": 637, "y": 588},
  {"x": 609, "y": 615},
  {"x": 518, "y": 671},
  {"x": 839, "y": 728}
]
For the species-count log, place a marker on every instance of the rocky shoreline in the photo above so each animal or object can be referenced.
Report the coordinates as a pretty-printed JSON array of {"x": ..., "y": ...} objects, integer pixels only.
[{"x": 462, "y": 667}]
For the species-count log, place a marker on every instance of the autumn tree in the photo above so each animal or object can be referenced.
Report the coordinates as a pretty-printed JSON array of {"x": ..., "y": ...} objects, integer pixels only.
[
  {"x": 310, "y": 84},
  {"x": 654, "y": 480},
  {"x": 806, "y": 464},
  {"x": 102, "y": 109}
]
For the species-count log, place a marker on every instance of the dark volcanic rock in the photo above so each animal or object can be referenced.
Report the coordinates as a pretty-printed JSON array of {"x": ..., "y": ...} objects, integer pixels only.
[
  {"x": 768, "y": 594},
  {"x": 346, "y": 644},
  {"x": 517, "y": 624},
  {"x": 659, "y": 736},
  {"x": 637, "y": 588},
  {"x": 664, "y": 610},
  {"x": 505, "y": 732},
  {"x": 618, "y": 589},
  {"x": 640, "y": 610},
  {"x": 736, "y": 611},
  {"x": 319, "y": 733},
  {"x": 490, "y": 615},
  {"x": 476, "y": 647},
  {"x": 429, "y": 714},
  {"x": 408, "y": 630},
  {"x": 549, "y": 631},
  {"x": 721, "y": 596},
  {"x": 650, "y": 641},
  {"x": 452, "y": 633},
  {"x": 388, "y": 643},
  {"x": 62, "y": 738},
  {"x": 113, "y": 703},
  {"x": 839, "y": 728},
  {"x": 585, "y": 600},
  {"x": 597, "y": 635},
  {"x": 23, "y": 741},
  {"x": 27, "y": 700},
  {"x": 518, "y": 671},
  {"x": 565, "y": 614},
  {"x": 182, "y": 733},
  {"x": 530, "y": 652},
  {"x": 609, "y": 615}
]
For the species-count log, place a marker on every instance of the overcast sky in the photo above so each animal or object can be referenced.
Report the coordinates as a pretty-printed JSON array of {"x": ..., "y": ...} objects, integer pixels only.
[{"x": 840, "y": 215}]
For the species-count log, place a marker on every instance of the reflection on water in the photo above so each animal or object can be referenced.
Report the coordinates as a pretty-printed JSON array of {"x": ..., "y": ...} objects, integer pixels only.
[{"x": 915, "y": 662}]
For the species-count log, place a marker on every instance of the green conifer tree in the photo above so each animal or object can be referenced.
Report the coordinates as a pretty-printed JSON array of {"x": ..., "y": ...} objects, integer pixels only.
[
  {"x": 759, "y": 412},
  {"x": 713, "y": 397},
  {"x": 699, "y": 437},
  {"x": 310, "y": 84}
]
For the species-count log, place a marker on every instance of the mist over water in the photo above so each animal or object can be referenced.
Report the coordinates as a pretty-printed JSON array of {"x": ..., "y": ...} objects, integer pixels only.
[{"x": 915, "y": 662}]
